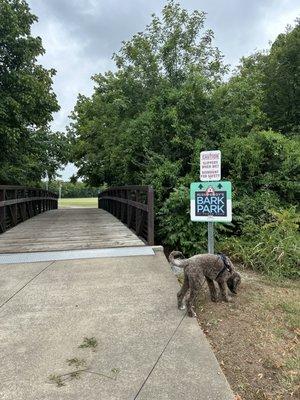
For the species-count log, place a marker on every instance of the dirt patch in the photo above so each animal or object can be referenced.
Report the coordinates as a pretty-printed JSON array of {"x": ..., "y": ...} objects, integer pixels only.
[{"x": 256, "y": 338}]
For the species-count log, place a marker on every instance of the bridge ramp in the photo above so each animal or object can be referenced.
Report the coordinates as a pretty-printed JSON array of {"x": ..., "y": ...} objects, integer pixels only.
[{"x": 129, "y": 305}]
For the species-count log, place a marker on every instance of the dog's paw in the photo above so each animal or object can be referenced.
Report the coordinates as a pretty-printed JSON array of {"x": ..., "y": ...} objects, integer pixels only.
[
  {"x": 228, "y": 299},
  {"x": 191, "y": 313}
]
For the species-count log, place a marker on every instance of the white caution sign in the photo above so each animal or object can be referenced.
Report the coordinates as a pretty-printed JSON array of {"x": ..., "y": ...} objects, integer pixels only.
[{"x": 210, "y": 165}]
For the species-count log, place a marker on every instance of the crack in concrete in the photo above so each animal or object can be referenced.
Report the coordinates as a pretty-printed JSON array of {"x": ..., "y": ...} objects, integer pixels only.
[
  {"x": 18, "y": 291},
  {"x": 159, "y": 357}
]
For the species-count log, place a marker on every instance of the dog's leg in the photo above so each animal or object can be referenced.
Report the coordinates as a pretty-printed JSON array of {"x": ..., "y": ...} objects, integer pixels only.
[
  {"x": 182, "y": 292},
  {"x": 191, "y": 301},
  {"x": 212, "y": 289},
  {"x": 223, "y": 289}
]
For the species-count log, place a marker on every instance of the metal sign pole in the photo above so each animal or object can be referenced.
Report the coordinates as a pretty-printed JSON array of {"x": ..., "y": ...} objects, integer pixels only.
[
  {"x": 208, "y": 202},
  {"x": 210, "y": 237}
]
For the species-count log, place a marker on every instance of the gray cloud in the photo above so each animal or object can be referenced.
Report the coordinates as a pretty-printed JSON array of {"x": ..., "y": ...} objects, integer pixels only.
[
  {"x": 80, "y": 36},
  {"x": 100, "y": 25}
]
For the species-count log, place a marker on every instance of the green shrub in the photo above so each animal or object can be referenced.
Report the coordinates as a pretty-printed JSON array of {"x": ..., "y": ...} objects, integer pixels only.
[
  {"x": 272, "y": 248},
  {"x": 265, "y": 240},
  {"x": 177, "y": 231},
  {"x": 253, "y": 208}
]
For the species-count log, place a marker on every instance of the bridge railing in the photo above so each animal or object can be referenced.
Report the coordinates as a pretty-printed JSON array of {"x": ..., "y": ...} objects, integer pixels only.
[
  {"x": 134, "y": 206},
  {"x": 19, "y": 203}
]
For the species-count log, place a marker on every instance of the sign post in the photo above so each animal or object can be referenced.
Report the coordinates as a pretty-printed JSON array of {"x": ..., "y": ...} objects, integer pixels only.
[
  {"x": 210, "y": 170},
  {"x": 210, "y": 238},
  {"x": 211, "y": 198}
]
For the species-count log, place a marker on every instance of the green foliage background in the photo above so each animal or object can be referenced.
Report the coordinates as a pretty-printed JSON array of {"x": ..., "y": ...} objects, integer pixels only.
[
  {"x": 169, "y": 99},
  {"x": 73, "y": 190}
]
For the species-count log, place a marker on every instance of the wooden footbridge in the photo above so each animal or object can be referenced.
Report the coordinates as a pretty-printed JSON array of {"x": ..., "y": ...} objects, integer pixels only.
[{"x": 124, "y": 218}]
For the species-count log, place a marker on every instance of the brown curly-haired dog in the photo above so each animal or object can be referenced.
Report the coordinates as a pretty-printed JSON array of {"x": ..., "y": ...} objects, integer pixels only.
[{"x": 211, "y": 267}]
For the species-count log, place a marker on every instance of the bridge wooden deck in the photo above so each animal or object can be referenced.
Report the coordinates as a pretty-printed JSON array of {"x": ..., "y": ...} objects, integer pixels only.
[{"x": 68, "y": 229}]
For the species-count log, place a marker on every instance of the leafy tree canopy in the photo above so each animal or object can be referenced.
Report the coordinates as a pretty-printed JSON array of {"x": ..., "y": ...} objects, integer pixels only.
[
  {"x": 157, "y": 103},
  {"x": 281, "y": 82},
  {"x": 27, "y": 101}
]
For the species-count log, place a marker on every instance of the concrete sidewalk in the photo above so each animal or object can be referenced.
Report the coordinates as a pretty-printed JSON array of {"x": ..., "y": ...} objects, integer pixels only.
[{"x": 129, "y": 306}]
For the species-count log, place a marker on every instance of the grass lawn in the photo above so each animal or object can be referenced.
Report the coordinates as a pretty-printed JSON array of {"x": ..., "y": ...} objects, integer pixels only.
[
  {"x": 84, "y": 202},
  {"x": 256, "y": 337}
]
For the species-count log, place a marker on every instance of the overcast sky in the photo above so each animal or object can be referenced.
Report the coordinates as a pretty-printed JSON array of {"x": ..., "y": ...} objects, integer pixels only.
[{"x": 79, "y": 36}]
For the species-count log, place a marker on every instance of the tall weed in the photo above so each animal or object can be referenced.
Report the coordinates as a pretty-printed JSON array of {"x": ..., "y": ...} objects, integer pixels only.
[{"x": 272, "y": 248}]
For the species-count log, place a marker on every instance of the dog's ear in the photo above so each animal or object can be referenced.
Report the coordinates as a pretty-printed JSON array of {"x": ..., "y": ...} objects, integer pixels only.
[
  {"x": 233, "y": 282},
  {"x": 230, "y": 284},
  {"x": 236, "y": 281}
]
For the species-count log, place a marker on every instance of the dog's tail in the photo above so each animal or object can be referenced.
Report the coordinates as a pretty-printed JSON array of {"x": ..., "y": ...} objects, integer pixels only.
[{"x": 176, "y": 258}]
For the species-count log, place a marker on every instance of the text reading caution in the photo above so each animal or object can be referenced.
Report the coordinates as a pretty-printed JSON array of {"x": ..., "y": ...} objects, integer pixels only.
[{"x": 210, "y": 165}]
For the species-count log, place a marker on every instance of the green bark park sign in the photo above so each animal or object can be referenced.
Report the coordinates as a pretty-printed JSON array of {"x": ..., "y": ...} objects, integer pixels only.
[{"x": 211, "y": 201}]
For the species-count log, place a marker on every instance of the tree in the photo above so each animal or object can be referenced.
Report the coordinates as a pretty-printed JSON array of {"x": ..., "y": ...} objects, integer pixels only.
[
  {"x": 27, "y": 100},
  {"x": 282, "y": 82},
  {"x": 154, "y": 107},
  {"x": 238, "y": 103},
  {"x": 264, "y": 91}
]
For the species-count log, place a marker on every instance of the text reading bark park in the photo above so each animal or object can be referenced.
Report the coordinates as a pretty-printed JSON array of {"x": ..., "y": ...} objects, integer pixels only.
[{"x": 210, "y": 204}]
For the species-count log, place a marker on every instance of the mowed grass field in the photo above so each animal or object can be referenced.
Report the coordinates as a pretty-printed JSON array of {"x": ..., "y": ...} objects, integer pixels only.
[{"x": 91, "y": 202}]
